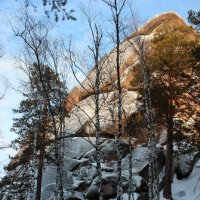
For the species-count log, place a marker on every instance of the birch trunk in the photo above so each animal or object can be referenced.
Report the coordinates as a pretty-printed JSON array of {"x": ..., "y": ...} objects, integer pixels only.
[
  {"x": 119, "y": 149},
  {"x": 33, "y": 165},
  {"x": 116, "y": 9},
  {"x": 40, "y": 167},
  {"x": 153, "y": 183},
  {"x": 98, "y": 158},
  {"x": 97, "y": 41},
  {"x": 131, "y": 186}
]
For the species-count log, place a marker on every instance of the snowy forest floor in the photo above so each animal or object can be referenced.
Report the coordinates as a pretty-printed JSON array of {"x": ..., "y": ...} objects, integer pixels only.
[{"x": 189, "y": 188}]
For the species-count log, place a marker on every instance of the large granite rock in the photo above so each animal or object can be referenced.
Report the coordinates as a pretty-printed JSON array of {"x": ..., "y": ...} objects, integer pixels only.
[
  {"x": 185, "y": 164},
  {"x": 80, "y": 101}
]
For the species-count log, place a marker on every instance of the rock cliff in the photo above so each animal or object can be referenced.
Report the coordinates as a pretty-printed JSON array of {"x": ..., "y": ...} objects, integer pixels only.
[{"x": 80, "y": 101}]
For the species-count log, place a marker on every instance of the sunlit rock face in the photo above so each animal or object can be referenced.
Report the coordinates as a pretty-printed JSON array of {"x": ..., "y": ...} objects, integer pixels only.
[
  {"x": 80, "y": 101},
  {"x": 128, "y": 59},
  {"x": 82, "y": 116}
]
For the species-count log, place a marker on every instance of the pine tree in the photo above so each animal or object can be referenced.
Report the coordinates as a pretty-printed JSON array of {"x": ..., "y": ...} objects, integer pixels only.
[
  {"x": 194, "y": 19},
  {"x": 35, "y": 125},
  {"x": 40, "y": 50},
  {"x": 172, "y": 66}
]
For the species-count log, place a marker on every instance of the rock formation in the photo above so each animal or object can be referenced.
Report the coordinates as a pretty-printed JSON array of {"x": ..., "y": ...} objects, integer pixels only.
[{"x": 80, "y": 99}]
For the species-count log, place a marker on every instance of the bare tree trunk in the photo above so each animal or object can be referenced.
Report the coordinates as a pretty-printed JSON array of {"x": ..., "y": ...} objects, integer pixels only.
[
  {"x": 97, "y": 37},
  {"x": 39, "y": 174},
  {"x": 98, "y": 153},
  {"x": 131, "y": 186},
  {"x": 153, "y": 184},
  {"x": 119, "y": 148},
  {"x": 140, "y": 48},
  {"x": 33, "y": 164},
  {"x": 116, "y": 9}
]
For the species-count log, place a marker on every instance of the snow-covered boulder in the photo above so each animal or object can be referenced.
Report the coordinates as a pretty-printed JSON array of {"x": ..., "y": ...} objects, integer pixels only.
[
  {"x": 109, "y": 150},
  {"x": 187, "y": 188},
  {"x": 185, "y": 164},
  {"x": 74, "y": 196},
  {"x": 48, "y": 191}
]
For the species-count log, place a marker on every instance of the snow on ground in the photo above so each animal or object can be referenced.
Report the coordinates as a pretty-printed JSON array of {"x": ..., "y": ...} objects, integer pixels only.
[{"x": 187, "y": 189}]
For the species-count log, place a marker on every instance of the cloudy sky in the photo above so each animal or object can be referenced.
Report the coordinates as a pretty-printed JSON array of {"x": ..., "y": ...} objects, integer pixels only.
[{"x": 8, "y": 11}]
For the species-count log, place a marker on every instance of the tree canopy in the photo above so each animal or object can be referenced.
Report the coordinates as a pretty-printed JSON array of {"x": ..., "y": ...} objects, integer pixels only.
[
  {"x": 34, "y": 127},
  {"x": 194, "y": 19},
  {"x": 57, "y": 7},
  {"x": 172, "y": 67}
]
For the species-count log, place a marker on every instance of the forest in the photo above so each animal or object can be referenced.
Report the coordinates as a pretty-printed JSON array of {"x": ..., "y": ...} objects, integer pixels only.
[{"x": 114, "y": 115}]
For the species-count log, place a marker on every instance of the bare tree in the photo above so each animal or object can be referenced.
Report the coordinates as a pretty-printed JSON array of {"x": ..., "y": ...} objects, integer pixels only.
[
  {"x": 116, "y": 8},
  {"x": 4, "y": 82},
  {"x": 93, "y": 83},
  {"x": 141, "y": 48},
  {"x": 55, "y": 7},
  {"x": 4, "y": 92},
  {"x": 97, "y": 37}
]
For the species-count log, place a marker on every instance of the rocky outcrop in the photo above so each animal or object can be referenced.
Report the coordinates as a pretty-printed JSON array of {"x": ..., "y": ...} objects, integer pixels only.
[
  {"x": 185, "y": 164},
  {"x": 80, "y": 174},
  {"x": 80, "y": 101},
  {"x": 82, "y": 117},
  {"x": 128, "y": 60}
]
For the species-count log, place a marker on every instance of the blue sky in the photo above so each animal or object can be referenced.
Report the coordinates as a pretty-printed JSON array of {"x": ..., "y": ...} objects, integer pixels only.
[
  {"x": 149, "y": 8},
  {"x": 8, "y": 10}
]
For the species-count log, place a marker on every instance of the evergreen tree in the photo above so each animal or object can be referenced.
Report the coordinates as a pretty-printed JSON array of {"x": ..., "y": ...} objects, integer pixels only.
[
  {"x": 35, "y": 127},
  {"x": 194, "y": 19},
  {"x": 57, "y": 7},
  {"x": 172, "y": 67}
]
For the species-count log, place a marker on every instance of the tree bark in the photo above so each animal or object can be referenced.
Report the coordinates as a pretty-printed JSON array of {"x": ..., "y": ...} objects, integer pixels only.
[
  {"x": 40, "y": 168},
  {"x": 39, "y": 175},
  {"x": 97, "y": 115},
  {"x": 119, "y": 148},
  {"x": 167, "y": 192},
  {"x": 153, "y": 174}
]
